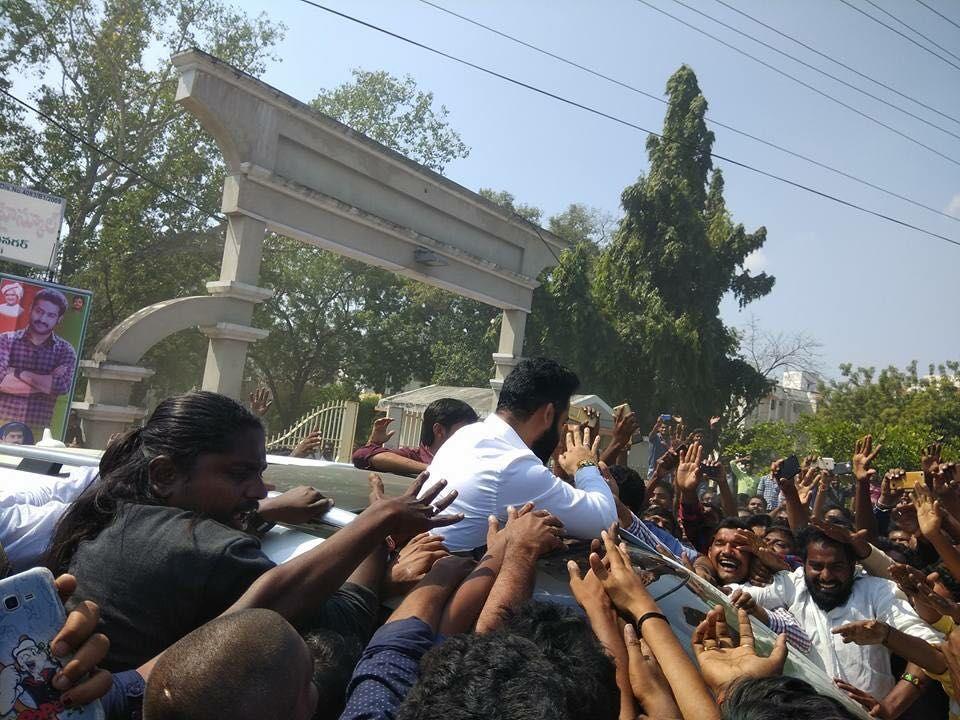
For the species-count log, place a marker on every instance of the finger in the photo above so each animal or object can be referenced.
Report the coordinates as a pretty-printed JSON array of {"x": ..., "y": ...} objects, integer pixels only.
[
  {"x": 586, "y": 436},
  {"x": 417, "y": 486},
  {"x": 873, "y": 455},
  {"x": 569, "y": 439},
  {"x": 84, "y": 660},
  {"x": 511, "y": 513},
  {"x": 528, "y": 507},
  {"x": 322, "y": 505},
  {"x": 599, "y": 569},
  {"x": 596, "y": 445},
  {"x": 445, "y": 502},
  {"x": 698, "y": 641},
  {"x": 493, "y": 525},
  {"x": 778, "y": 656},
  {"x": 737, "y": 599},
  {"x": 746, "y": 629},
  {"x": 432, "y": 492},
  {"x": 443, "y": 520},
  {"x": 376, "y": 486},
  {"x": 723, "y": 634},
  {"x": 66, "y": 586},
  {"x": 613, "y": 554},
  {"x": 80, "y": 624},
  {"x": 93, "y": 688},
  {"x": 573, "y": 570}
]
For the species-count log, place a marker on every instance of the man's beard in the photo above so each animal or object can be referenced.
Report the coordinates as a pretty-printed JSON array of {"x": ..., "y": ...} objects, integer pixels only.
[
  {"x": 544, "y": 445},
  {"x": 828, "y": 601}
]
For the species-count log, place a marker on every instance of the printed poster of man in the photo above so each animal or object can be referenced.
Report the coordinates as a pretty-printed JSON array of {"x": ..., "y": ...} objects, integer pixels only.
[{"x": 42, "y": 326}]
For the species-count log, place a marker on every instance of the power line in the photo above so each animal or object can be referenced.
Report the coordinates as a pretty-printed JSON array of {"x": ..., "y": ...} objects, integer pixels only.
[
  {"x": 100, "y": 151},
  {"x": 620, "y": 121},
  {"x": 807, "y": 85},
  {"x": 818, "y": 70},
  {"x": 894, "y": 30},
  {"x": 842, "y": 64},
  {"x": 940, "y": 14},
  {"x": 913, "y": 30},
  {"x": 659, "y": 99}
]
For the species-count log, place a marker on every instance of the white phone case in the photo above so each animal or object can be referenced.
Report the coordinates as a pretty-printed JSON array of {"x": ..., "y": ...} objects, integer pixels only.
[{"x": 31, "y": 615}]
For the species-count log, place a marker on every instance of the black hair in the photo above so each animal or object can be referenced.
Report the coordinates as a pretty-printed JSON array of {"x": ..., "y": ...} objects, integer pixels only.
[
  {"x": 776, "y": 698},
  {"x": 946, "y": 577},
  {"x": 9, "y": 427},
  {"x": 764, "y": 521},
  {"x": 535, "y": 382},
  {"x": 729, "y": 523},
  {"x": 580, "y": 662},
  {"x": 899, "y": 553},
  {"x": 335, "y": 655},
  {"x": 633, "y": 490},
  {"x": 781, "y": 527},
  {"x": 446, "y": 411},
  {"x": 51, "y": 296},
  {"x": 495, "y": 676},
  {"x": 847, "y": 515},
  {"x": 183, "y": 428},
  {"x": 759, "y": 497},
  {"x": 657, "y": 511},
  {"x": 665, "y": 486},
  {"x": 810, "y": 535}
]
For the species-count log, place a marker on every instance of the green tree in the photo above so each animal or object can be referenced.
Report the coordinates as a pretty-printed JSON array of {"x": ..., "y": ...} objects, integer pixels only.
[
  {"x": 673, "y": 258},
  {"x": 101, "y": 69}
]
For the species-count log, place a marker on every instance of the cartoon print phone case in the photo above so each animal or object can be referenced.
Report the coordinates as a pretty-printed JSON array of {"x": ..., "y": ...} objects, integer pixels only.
[{"x": 31, "y": 615}]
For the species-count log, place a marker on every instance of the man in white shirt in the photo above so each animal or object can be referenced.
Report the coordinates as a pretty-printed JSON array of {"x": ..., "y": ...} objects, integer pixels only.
[
  {"x": 828, "y": 592},
  {"x": 500, "y": 462}
]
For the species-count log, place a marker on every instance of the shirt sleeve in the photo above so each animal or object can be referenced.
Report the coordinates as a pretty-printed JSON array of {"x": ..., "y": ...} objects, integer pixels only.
[
  {"x": 63, "y": 372},
  {"x": 387, "y": 670},
  {"x": 124, "y": 701},
  {"x": 900, "y": 614},
  {"x": 783, "y": 621},
  {"x": 363, "y": 455},
  {"x": 584, "y": 510},
  {"x": 778, "y": 594},
  {"x": 670, "y": 542}
]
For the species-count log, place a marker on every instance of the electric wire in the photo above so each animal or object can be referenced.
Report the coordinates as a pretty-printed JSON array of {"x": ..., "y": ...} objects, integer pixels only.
[
  {"x": 940, "y": 14},
  {"x": 913, "y": 29}
]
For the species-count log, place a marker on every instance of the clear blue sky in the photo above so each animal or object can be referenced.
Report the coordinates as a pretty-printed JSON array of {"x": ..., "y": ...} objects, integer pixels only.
[{"x": 871, "y": 292}]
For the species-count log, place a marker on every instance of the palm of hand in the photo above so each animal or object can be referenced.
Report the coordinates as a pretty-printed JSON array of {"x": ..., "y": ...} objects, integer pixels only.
[
  {"x": 688, "y": 475},
  {"x": 928, "y": 517},
  {"x": 724, "y": 665}
]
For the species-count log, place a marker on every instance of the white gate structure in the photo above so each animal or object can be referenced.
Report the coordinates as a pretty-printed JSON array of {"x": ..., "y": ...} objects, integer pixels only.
[
  {"x": 301, "y": 174},
  {"x": 336, "y": 423}
]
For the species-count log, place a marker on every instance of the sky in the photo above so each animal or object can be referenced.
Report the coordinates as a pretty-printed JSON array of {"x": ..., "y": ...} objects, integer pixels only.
[{"x": 872, "y": 292}]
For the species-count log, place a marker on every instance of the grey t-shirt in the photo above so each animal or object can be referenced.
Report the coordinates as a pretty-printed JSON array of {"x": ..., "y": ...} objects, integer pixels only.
[{"x": 158, "y": 573}]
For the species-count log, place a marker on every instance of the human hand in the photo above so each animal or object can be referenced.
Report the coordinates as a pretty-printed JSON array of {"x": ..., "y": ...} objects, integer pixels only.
[
  {"x": 905, "y": 515},
  {"x": 714, "y": 421},
  {"x": 865, "y": 699},
  {"x": 891, "y": 487},
  {"x": 666, "y": 463},
  {"x": 413, "y": 562},
  {"x": 649, "y": 685},
  {"x": 449, "y": 571},
  {"x": 933, "y": 604},
  {"x": 409, "y": 515},
  {"x": 721, "y": 661},
  {"x": 533, "y": 532},
  {"x": 864, "y": 632},
  {"x": 863, "y": 456},
  {"x": 260, "y": 401},
  {"x": 689, "y": 473},
  {"x": 307, "y": 446},
  {"x": 300, "y": 505},
  {"x": 944, "y": 476},
  {"x": 615, "y": 571},
  {"x": 786, "y": 484},
  {"x": 579, "y": 449},
  {"x": 809, "y": 479},
  {"x": 588, "y": 591},
  {"x": 380, "y": 433},
  {"x": 859, "y": 540},
  {"x": 743, "y": 600},
  {"x": 80, "y": 681},
  {"x": 929, "y": 512},
  {"x": 625, "y": 425},
  {"x": 704, "y": 569},
  {"x": 930, "y": 457}
]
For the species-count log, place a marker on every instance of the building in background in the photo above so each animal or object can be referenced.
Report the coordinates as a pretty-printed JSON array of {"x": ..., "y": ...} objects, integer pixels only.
[{"x": 796, "y": 394}]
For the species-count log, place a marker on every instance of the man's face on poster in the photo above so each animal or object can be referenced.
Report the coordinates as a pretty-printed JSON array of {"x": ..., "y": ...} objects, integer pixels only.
[
  {"x": 14, "y": 437},
  {"x": 44, "y": 317},
  {"x": 11, "y": 297}
]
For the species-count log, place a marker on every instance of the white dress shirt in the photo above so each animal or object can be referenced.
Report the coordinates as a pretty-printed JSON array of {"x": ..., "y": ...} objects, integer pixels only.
[
  {"x": 867, "y": 667},
  {"x": 491, "y": 468}
]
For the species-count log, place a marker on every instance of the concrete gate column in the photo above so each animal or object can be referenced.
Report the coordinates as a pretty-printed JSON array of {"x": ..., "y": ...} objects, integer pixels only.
[{"x": 510, "y": 350}]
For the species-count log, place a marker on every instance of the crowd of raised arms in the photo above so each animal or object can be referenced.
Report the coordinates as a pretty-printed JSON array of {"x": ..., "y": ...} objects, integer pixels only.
[{"x": 175, "y": 611}]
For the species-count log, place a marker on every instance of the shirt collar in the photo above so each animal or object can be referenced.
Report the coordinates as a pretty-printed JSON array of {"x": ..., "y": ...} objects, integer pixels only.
[{"x": 501, "y": 429}]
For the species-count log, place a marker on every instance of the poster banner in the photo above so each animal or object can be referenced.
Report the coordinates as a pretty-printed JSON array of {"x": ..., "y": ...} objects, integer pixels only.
[
  {"x": 41, "y": 342},
  {"x": 29, "y": 225}
]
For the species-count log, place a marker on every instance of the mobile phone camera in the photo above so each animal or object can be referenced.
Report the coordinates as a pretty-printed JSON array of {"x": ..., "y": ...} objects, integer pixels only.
[{"x": 11, "y": 602}]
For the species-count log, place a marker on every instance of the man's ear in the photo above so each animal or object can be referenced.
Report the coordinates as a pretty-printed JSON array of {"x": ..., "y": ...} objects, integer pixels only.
[
  {"x": 439, "y": 432},
  {"x": 162, "y": 475},
  {"x": 549, "y": 414}
]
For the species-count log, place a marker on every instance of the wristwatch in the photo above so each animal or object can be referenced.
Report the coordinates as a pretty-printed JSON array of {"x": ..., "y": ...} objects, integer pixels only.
[{"x": 585, "y": 464}]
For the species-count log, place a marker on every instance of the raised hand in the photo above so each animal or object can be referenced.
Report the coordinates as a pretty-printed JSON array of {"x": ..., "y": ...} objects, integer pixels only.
[
  {"x": 929, "y": 512},
  {"x": 930, "y": 457},
  {"x": 743, "y": 600},
  {"x": 649, "y": 685},
  {"x": 300, "y": 505},
  {"x": 863, "y": 698},
  {"x": 722, "y": 661},
  {"x": 863, "y": 456},
  {"x": 625, "y": 425},
  {"x": 891, "y": 487},
  {"x": 809, "y": 479},
  {"x": 689, "y": 473},
  {"x": 858, "y": 540},
  {"x": 615, "y": 572},
  {"x": 864, "y": 632},
  {"x": 380, "y": 433},
  {"x": 533, "y": 531},
  {"x": 413, "y": 562},
  {"x": 308, "y": 445},
  {"x": 579, "y": 450},
  {"x": 261, "y": 401}
]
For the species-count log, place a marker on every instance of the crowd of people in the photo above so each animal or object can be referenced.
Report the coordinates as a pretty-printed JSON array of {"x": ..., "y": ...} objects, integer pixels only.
[{"x": 176, "y": 612}]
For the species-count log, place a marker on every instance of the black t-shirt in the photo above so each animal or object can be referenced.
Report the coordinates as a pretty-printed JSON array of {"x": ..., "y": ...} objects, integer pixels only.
[{"x": 158, "y": 573}]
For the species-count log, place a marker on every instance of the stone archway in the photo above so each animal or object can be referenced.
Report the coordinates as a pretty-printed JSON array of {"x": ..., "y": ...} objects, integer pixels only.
[{"x": 304, "y": 175}]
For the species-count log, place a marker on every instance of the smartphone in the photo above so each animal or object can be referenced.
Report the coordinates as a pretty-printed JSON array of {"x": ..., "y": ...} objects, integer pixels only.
[
  {"x": 578, "y": 414},
  {"x": 842, "y": 468},
  {"x": 31, "y": 615},
  {"x": 909, "y": 480},
  {"x": 826, "y": 463},
  {"x": 621, "y": 411},
  {"x": 789, "y": 467},
  {"x": 710, "y": 471},
  {"x": 666, "y": 418}
]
